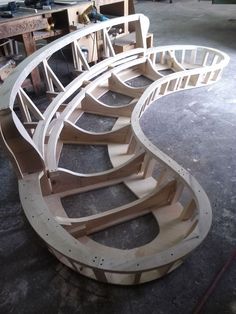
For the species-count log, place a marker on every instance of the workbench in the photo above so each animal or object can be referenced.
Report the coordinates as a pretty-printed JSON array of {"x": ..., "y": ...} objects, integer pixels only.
[{"x": 29, "y": 27}]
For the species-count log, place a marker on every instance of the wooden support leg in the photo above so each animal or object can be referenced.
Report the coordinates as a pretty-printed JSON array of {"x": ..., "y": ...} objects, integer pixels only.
[{"x": 30, "y": 47}]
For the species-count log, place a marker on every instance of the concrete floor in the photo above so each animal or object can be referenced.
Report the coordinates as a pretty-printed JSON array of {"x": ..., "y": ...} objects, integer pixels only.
[{"x": 198, "y": 129}]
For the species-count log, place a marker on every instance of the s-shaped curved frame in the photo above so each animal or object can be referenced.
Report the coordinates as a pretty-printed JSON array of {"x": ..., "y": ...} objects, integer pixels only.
[{"x": 34, "y": 139}]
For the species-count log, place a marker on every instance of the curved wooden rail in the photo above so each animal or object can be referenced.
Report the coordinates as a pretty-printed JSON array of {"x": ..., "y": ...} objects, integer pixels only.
[{"x": 34, "y": 140}]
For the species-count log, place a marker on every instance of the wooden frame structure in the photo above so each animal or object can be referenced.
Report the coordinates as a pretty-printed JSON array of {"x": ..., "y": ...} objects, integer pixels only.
[{"x": 34, "y": 139}]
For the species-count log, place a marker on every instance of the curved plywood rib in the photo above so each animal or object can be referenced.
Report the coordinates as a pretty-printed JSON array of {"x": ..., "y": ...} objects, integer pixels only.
[{"x": 34, "y": 138}]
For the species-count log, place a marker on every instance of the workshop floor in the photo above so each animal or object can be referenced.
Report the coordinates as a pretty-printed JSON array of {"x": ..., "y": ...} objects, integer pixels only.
[{"x": 197, "y": 128}]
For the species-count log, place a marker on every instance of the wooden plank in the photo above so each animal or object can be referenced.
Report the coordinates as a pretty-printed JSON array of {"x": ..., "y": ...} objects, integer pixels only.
[
  {"x": 67, "y": 181},
  {"x": 97, "y": 222},
  {"x": 30, "y": 47},
  {"x": 73, "y": 134},
  {"x": 25, "y": 25}
]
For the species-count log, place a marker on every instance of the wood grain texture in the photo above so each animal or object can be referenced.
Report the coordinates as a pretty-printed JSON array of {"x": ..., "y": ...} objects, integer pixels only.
[{"x": 163, "y": 188}]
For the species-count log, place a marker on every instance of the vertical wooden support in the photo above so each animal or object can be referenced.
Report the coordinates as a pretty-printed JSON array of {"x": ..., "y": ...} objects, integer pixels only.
[
  {"x": 80, "y": 57},
  {"x": 46, "y": 185},
  {"x": 205, "y": 58},
  {"x": 51, "y": 78},
  {"x": 109, "y": 50},
  {"x": 148, "y": 166},
  {"x": 100, "y": 275},
  {"x": 137, "y": 278},
  {"x": 178, "y": 193},
  {"x": 164, "y": 88},
  {"x": 30, "y": 47},
  {"x": 49, "y": 84},
  {"x": 23, "y": 108},
  {"x": 152, "y": 97},
  {"x": 207, "y": 77},
  {"x": 162, "y": 57},
  {"x": 216, "y": 74},
  {"x": 132, "y": 146},
  {"x": 162, "y": 177},
  {"x": 153, "y": 58},
  {"x": 156, "y": 93},
  {"x": 185, "y": 81},
  {"x": 188, "y": 211},
  {"x": 76, "y": 60},
  {"x": 215, "y": 59},
  {"x": 193, "y": 56},
  {"x": 141, "y": 29},
  {"x": 172, "y": 85},
  {"x": 26, "y": 102},
  {"x": 182, "y": 57},
  {"x": 178, "y": 84},
  {"x": 195, "y": 79}
]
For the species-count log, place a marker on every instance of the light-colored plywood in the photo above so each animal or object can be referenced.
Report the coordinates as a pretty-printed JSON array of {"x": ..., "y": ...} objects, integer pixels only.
[{"x": 34, "y": 144}]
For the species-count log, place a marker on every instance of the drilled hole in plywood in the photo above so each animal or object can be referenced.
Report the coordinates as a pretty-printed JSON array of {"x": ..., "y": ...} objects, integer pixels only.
[
  {"x": 84, "y": 158},
  {"x": 130, "y": 234}
]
